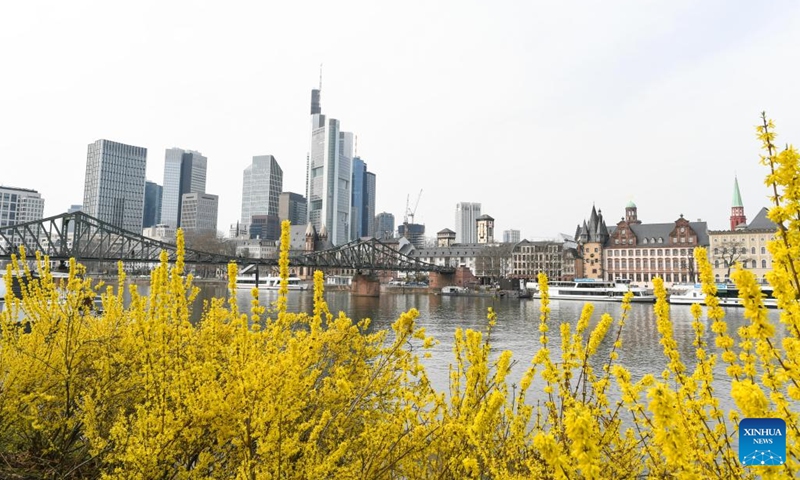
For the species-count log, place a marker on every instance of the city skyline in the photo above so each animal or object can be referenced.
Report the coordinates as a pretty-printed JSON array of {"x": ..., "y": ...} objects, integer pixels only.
[{"x": 654, "y": 104}]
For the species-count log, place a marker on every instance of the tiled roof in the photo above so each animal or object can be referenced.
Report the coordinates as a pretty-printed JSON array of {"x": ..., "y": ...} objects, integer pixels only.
[
  {"x": 662, "y": 231},
  {"x": 761, "y": 222}
]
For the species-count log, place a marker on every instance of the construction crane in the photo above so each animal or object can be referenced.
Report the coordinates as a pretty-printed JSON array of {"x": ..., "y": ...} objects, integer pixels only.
[{"x": 409, "y": 211}]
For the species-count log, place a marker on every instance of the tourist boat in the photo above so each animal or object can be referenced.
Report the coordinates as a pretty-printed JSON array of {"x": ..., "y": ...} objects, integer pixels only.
[
  {"x": 727, "y": 293},
  {"x": 595, "y": 290},
  {"x": 247, "y": 282}
]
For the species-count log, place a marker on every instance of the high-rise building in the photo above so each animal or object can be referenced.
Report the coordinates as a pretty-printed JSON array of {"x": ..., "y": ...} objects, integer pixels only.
[
  {"x": 414, "y": 232},
  {"x": 265, "y": 227},
  {"x": 467, "y": 214},
  {"x": 152, "y": 204},
  {"x": 363, "y": 206},
  {"x": 114, "y": 188},
  {"x": 511, "y": 236},
  {"x": 199, "y": 212},
  {"x": 184, "y": 172},
  {"x": 384, "y": 226},
  {"x": 329, "y": 175},
  {"x": 369, "y": 207},
  {"x": 261, "y": 189},
  {"x": 292, "y": 207},
  {"x": 20, "y": 205}
]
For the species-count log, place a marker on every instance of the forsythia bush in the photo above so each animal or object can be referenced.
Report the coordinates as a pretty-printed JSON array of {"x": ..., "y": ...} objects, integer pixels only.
[{"x": 140, "y": 392}]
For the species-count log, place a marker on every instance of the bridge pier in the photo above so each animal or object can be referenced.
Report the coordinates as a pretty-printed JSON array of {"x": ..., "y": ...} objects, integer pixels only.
[
  {"x": 365, "y": 285},
  {"x": 462, "y": 277}
]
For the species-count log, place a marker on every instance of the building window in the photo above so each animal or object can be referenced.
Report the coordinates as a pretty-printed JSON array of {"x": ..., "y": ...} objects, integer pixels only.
[
  {"x": 752, "y": 250},
  {"x": 763, "y": 264},
  {"x": 763, "y": 250}
]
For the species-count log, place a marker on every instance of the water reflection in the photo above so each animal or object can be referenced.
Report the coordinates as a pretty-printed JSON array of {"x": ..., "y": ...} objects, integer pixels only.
[{"x": 516, "y": 330}]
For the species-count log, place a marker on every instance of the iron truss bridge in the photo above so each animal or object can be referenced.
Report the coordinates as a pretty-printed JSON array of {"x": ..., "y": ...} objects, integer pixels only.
[{"x": 85, "y": 238}]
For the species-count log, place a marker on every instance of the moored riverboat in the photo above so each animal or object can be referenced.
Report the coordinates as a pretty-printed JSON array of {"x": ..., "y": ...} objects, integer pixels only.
[
  {"x": 727, "y": 293},
  {"x": 595, "y": 290},
  {"x": 268, "y": 283}
]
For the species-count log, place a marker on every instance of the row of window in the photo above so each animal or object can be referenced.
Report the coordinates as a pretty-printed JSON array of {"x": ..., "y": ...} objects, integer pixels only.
[
  {"x": 743, "y": 250},
  {"x": 664, "y": 263},
  {"x": 745, "y": 264},
  {"x": 651, "y": 253}
]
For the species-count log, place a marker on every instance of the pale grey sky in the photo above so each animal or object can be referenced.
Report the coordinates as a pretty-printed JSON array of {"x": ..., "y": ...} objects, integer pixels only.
[{"x": 537, "y": 110}]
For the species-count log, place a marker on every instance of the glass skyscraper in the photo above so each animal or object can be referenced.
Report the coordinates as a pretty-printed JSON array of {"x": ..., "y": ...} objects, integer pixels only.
[
  {"x": 152, "y": 204},
  {"x": 184, "y": 172},
  {"x": 467, "y": 214},
  {"x": 292, "y": 207},
  {"x": 261, "y": 188},
  {"x": 329, "y": 175},
  {"x": 384, "y": 226},
  {"x": 113, "y": 191},
  {"x": 363, "y": 206}
]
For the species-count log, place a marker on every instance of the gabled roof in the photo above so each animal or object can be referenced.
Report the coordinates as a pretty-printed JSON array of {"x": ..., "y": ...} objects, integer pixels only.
[
  {"x": 761, "y": 222},
  {"x": 662, "y": 231}
]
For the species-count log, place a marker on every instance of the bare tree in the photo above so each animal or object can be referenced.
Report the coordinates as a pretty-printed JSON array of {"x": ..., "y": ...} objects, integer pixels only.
[
  {"x": 731, "y": 253},
  {"x": 493, "y": 261}
]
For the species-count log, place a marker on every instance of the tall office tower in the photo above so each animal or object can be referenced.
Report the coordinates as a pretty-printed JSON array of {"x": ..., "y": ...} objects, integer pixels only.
[
  {"x": 384, "y": 226},
  {"x": 369, "y": 207},
  {"x": 184, "y": 172},
  {"x": 292, "y": 207},
  {"x": 199, "y": 212},
  {"x": 510, "y": 236},
  {"x": 329, "y": 175},
  {"x": 114, "y": 188},
  {"x": 20, "y": 205},
  {"x": 467, "y": 214},
  {"x": 363, "y": 206},
  {"x": 152, "y": 204},
  {"x": 261, "y": 189}
]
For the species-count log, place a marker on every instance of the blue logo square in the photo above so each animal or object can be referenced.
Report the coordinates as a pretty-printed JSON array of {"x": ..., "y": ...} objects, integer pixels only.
[{"x": 762, "y": 441}]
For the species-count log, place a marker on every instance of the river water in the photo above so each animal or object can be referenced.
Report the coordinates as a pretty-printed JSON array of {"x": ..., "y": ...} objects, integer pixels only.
[{"x": 517, "y": 328}]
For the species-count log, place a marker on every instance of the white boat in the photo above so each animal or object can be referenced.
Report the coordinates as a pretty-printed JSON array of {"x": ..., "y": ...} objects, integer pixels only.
[
  {"x": 247, "y": 282},
  {"x": 728, "y": 295},
  {"x": 594, "y": 290},
  {"x": 454, "y": 290}
]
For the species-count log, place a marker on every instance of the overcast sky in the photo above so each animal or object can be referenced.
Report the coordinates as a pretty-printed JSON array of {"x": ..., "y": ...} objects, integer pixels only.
[{"x": 537, "y": 110}]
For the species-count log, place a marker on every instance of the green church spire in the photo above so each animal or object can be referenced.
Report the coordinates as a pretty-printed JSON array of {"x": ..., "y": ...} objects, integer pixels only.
[{"x": 737, "y": 197}]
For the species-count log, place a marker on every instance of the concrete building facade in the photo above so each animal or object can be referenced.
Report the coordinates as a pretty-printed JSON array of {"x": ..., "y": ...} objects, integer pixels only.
[
  {"x": 199, "y": 212},
  {"x": 20, "y": 205},
  {"x": 114, "y": 185}
]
